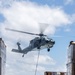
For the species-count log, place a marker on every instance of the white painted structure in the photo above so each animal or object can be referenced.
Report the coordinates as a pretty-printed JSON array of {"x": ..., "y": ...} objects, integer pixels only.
[
  {"x": 71, "y": 59},
  {"x": 2, "y": 57}
]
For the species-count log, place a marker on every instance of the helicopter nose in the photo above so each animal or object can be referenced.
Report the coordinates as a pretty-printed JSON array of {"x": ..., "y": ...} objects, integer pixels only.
[{"x": 53, "y": 42}]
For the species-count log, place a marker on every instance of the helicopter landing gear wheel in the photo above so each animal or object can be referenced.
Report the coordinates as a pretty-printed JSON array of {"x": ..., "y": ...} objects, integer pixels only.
[
  {"x": 23, "y": 55},
  {"x": 38, "y": 47},
  {"x": 48, "y": 49}
]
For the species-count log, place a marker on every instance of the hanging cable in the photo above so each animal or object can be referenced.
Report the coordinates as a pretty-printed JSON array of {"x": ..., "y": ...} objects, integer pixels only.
[{"x": 37, "y": 62}]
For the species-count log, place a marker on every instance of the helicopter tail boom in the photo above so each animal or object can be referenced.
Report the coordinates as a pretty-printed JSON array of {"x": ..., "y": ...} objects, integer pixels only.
[{"x": 16, "y": 50}]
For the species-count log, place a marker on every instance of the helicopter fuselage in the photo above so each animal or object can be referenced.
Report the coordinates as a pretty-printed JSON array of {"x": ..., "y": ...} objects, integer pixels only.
[{"x": 36, "y": 44}]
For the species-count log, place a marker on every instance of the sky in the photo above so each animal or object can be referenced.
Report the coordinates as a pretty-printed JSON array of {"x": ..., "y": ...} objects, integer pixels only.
[{"x": 29, "y": 15}]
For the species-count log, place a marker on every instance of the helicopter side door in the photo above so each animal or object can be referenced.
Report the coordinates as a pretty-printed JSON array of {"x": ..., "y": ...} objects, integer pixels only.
[{"x": 35, "y": 42}]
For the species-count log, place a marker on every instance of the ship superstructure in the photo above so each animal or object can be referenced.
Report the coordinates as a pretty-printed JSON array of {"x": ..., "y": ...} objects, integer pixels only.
[
  {"x": 55, "y": 73},
  {"x": 2, "y": 57},
  {"x": 71, "y": 59}
]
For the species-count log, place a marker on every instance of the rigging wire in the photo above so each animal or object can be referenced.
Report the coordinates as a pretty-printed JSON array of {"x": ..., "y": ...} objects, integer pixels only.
[{"x": 37, "y": 62}]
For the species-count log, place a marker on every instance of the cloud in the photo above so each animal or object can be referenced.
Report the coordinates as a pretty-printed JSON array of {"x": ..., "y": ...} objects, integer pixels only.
[
  {"x": 67, "y": 30},
  {"x": 26, "y": 16},
  {"x": 73, "y": 18},
  {"x": 45, "y": 60},
  {"x": 69, "y": 1},
  {"x": 59, "y": 68}
]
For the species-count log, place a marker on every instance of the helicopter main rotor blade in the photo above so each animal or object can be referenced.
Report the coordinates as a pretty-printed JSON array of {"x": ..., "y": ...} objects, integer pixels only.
[
  {"x": 21, "y": 31},
  {"x": 43, "y": 27}
]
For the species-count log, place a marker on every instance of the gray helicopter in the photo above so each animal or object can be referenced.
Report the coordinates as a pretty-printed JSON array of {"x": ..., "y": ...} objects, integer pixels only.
[{"x": 38, "y": 43}]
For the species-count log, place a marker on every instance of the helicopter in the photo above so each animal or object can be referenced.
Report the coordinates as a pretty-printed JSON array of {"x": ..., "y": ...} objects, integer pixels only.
[{"x": 38, "y": 43}]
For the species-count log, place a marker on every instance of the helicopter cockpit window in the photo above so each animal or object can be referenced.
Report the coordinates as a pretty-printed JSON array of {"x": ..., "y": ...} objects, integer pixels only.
[
  {"x": 31, "y": 41},
  {"x": 35, "y": 39}
]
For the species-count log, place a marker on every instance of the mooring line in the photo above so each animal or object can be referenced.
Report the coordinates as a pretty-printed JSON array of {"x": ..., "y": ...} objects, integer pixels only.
[{"x": 37, "y": 62}]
